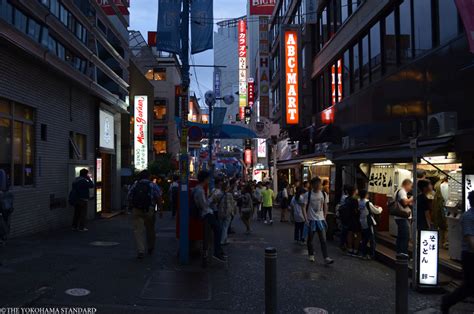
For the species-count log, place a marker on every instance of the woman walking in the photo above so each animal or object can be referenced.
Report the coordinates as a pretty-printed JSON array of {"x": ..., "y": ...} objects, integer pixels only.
[
  {"x": 296, "y": 207},
  {"x": 246, "y": 210}
]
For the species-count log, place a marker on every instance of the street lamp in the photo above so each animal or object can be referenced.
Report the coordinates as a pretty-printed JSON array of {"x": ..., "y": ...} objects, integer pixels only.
[{"x": 210, "y": 99}]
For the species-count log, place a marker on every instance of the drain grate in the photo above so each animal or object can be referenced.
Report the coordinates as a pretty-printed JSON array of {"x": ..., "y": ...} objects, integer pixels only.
[{"x": 178, "y": 285}]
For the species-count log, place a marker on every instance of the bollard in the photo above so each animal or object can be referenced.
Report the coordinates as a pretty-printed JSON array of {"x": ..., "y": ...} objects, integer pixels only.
[
  {"x": 270, "y": 280},
  {"x": 401, "y": 283}
]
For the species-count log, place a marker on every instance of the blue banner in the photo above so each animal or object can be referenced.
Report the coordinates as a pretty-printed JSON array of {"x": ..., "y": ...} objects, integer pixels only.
[
  {"x": 202, "y": 25},
  {"x": 168, "y": 32}
]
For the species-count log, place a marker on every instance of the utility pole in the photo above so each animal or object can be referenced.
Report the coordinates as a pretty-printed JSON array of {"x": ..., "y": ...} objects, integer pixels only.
[{"x": 184, "y": 159}]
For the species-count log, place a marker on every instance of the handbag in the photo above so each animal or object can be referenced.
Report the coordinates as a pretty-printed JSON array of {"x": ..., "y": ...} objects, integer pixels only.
[{"x": 397, "y": 210}]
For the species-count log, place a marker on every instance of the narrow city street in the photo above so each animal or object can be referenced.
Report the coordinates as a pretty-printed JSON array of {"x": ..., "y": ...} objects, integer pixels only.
[{"x": 36, "y": 271}]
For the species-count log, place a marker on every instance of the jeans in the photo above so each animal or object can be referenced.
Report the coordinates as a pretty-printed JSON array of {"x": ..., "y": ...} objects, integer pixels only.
[
  {"x": 211, "y": 223},
  {"x": 467, "y": 287},
  {"x": 322, "y": 241},
  {"x": 225, "y": 224},
  {"x": 299, "y": 227},
  {"x": 368, "y": 237},
  {"x": 403, "y": 236},
  {"x": 80, "y": 214},
  {"x": 144, "y": 229},
  {"x": 269, "y": 211}
]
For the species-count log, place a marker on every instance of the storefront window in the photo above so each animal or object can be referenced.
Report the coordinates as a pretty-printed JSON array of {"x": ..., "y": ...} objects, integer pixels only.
[
  {"x": 160, "y": 110},
  {"x": 390, "y": 43},
  {"x": 405, "y": 32},
  {"x": 159, "y": 147},
  {"x": 346, "y": 76},
  {"x": 156, "y": 74},
  {"x": 365, "y": 60},
  {"x": 423, "y": 26},
  {"x": 355, "y": 67},
  {"x": 448, "y": 20},
  {"x": 375, "y": 52},
  {"x": 5, "y": 142}
]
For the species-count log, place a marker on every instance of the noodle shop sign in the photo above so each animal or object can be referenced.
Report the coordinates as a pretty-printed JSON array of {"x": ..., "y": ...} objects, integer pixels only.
[{"x": 291, "y": 77}]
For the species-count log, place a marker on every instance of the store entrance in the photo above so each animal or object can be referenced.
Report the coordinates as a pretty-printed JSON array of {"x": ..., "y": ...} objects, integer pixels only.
[{"x": 104, "y": 183}]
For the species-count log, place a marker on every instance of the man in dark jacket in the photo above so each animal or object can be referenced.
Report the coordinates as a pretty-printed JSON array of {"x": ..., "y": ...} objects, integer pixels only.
[{"x": 81, "y": 186}]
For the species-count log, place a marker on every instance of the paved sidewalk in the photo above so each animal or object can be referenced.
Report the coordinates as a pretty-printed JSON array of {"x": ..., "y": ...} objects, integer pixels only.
[{"x": 37, "y": 271}]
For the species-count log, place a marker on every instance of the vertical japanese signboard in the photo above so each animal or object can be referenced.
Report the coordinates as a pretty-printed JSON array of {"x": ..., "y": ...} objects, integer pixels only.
[
  {"x": 248, "y": 156},
  {"x": 428, "y": 258},
  {"x": 251, "y": 92},
  {"x": 263, "y": 69},
  {"x": 141, "y": 132},
  {"x": 291, "y": 76},
  {"x": 261, "y": 148},
  {"x": 336, "y": 88},
  {"x": 242, "y": 52}
]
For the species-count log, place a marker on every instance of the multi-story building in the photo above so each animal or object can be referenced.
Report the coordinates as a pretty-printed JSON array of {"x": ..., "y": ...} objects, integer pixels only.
[
  {"x": 384, "y": 74},
  {"x": 162, "y": 69},
  {"x": 63, "y": 88},
  {"x": 226, "y": 73}
]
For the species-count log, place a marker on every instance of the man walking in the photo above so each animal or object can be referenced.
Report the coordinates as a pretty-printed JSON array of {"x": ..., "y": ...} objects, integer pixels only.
[
  {"x": 267, "y": 203},
  {"x": 315, "y": 210},
  {"x": 209, "y": 218},
  {"x": 79, "y": 198},
  {"x": 467, "y": 287},
  {"x": 144, "y": 195},
  {"x": 403, "y": 235}
]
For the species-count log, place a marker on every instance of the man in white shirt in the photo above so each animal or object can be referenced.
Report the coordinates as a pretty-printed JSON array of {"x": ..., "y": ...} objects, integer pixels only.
[
  {"x": 403, "y": 224},
  {"x": 315, "y": 208}
]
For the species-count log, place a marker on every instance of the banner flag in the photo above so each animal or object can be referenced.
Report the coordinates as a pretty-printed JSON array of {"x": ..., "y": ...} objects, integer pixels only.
[
  {"x": 202, "y": 25},
  {"x": 168, "y": 31},
  {"x": 466, "y": 11}
]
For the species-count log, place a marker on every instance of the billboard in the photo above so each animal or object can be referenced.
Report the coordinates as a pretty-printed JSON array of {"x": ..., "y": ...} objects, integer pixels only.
[
  {"x": 140, "y": 138},
  {"x": 261, "y": 148},
  {"x": 263, "y": 69},
  {"x": 262, "y": 7},
  {"x": 242, "y": 52},
  {"x": 291, "y": 77},
  {"x": 106, "y": 131},
  {"x": 122, "y": 6}
]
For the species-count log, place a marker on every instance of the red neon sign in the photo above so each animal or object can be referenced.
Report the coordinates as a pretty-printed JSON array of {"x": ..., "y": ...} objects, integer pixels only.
[{"x": 291, "y": 57}]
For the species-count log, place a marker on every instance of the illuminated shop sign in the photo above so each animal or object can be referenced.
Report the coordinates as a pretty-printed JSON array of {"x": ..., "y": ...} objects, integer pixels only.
[
  {"x": 251, "y": 91},
  {"x": 428, "y": 258},
  {"x": 106, "y": 120},
  {"x": 242, "y": 51},
  {"x": 248, "y": 156},
  {"x": 327, "y": 116},
  {"x": 141, "y": 132},
  {"x": 261, "y": 148},
  {"x": 262, "y": 7},
  {"x": 291, "y": 77},
  {"x": 336, "y": 73}
]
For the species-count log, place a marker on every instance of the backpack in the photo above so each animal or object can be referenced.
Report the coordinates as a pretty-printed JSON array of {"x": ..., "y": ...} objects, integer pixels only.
[{"x": 141, "y": 198}]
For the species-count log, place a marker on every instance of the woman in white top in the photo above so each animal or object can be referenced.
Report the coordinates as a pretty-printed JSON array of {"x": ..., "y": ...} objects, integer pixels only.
[{"x": 367, "y": 222}]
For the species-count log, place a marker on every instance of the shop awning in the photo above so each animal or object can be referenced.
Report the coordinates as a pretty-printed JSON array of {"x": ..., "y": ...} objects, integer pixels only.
[
  {"x": 296, "y": 161},
  {"x": 398, "y": 153}
]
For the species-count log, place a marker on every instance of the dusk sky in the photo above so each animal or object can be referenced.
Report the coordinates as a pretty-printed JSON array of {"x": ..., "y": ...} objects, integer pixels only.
[{"x": 143, "y": 17}]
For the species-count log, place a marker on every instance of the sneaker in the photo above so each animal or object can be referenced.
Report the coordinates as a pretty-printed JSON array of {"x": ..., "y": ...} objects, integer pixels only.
[
  {"x": 271, "y": 222},
  {"x": 219, "y": 258},
  {"x": 265, "y": 222},
  {"x": 312, "y": 259},
  {"x": 328, "y": 261},
  {"x": 83, "y": 230}
]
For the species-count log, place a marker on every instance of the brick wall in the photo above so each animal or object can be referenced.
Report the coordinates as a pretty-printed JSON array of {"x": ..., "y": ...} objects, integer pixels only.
[{"x": 63, "y": 108}]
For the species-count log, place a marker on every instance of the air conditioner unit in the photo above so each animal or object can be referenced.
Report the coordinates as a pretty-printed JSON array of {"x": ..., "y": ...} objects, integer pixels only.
[{"x": 442, "y": 123}]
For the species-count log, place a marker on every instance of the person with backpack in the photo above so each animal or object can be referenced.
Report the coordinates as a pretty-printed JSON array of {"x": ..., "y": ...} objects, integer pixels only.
[
  {"x": 200, "y": 206},
  {"x": 246, "y": 209},
  {"x": 315, "y": 211},
  {"x": 368, "y": 223},
  {"x": 79, "y": 198},
  {"x": 143, "y": 196}
]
